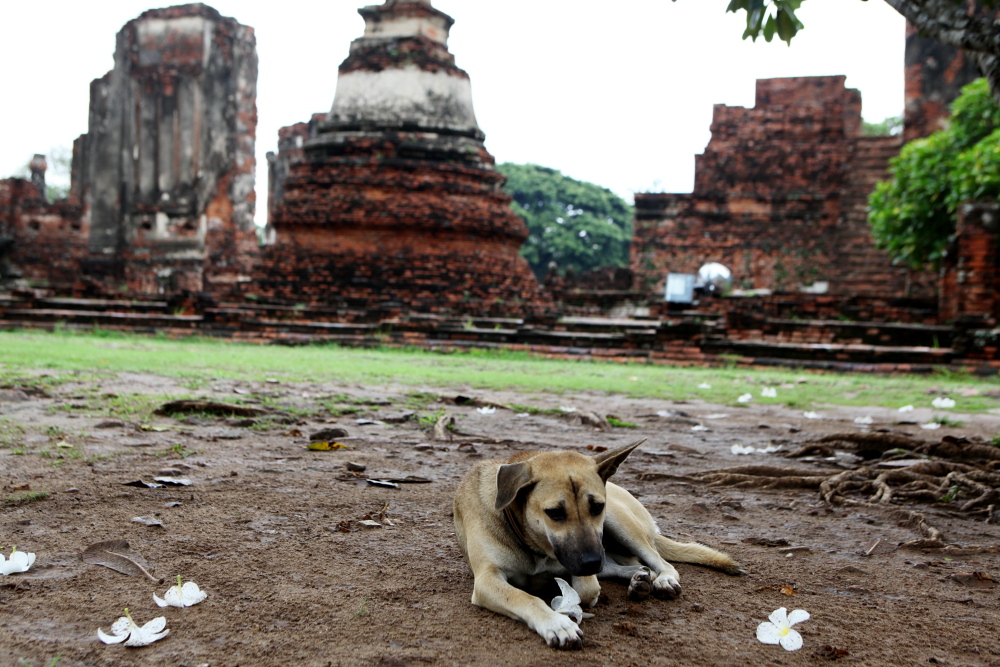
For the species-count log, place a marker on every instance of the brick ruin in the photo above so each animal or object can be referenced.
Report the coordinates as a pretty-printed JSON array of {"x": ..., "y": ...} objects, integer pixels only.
[
  {"x": 387, "y": 220},
  {"x": 162, "y": 193},
  {"x": 391, "y": 201},
  {"x": 780, "y": 198}
]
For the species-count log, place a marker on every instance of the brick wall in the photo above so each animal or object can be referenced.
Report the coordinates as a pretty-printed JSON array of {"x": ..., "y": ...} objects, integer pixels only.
[{"x": 779, "y": 198}]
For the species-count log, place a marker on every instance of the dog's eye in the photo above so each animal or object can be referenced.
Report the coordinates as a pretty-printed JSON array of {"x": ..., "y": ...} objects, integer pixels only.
[
  {"x": 596, "y": 508},
  {"x": 556, "y": 514}
]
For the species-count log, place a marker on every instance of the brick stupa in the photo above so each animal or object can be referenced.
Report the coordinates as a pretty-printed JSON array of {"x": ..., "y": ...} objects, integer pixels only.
[{"x": 391, "y": 200}]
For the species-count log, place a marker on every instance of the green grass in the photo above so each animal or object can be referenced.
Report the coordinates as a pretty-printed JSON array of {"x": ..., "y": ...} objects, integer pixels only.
[
  {"x": 10, "y": 433},
  {"x": 68, "y": 356},
  {"x": 26, "y": 497}
]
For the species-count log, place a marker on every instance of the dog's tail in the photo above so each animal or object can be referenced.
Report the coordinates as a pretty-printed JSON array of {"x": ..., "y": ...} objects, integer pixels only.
[{"x": 699, "y": 554}]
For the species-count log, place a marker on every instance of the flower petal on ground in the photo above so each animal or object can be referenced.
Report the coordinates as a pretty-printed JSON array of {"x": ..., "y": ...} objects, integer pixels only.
[
  {"x": 745, "y": 398},
  {"x": 931, "y": 426},
  {"x": 569, "y": 602},
  {"x": 791, "y": 641},
  {"x": 767, "y": 633},
  {"x": 906, "y": 408},
  {"x": 486, "y": 410},
  {"x": 863, "y": 420},
  {"x": 769, "y": 392},
  {"x": 943, "y": 402},
  {"x": 704, "y": 385},
  {"x": 811, "y": 415},
  {"x": 740, "y": 449},
  {"x": 779, "y": 616},
  {"x": 110, "y": 639},
  {"x": 148, "y": 633},
  {"x": 19, "y": 561},
  {"x": 798, "y": 616}
]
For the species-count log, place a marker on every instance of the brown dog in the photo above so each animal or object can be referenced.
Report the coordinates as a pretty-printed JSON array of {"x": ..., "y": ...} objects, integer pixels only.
[{"x": 537, "y": 516}]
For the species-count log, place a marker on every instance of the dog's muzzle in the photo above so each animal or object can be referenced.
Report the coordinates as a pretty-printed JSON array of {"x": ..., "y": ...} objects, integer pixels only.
[{"x": 581, "y": 563}]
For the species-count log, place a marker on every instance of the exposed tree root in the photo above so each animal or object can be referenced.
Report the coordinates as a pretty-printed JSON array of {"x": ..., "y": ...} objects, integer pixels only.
[{"x": 964, "y": 470}]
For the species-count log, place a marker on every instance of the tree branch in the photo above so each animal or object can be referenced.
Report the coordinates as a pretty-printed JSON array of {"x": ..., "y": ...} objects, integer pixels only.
[{"x": 950, "y": 22}]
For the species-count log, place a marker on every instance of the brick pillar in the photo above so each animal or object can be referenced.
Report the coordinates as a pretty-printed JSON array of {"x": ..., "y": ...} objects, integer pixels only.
[{"x": 969, "y": 290}]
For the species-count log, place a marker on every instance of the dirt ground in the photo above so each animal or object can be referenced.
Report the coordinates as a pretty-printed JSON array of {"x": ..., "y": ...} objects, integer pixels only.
[{"x": 260, "y": 528}]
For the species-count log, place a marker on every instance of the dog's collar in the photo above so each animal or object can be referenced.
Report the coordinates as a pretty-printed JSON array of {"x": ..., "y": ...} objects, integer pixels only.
[{"x": 515, "y": 528}]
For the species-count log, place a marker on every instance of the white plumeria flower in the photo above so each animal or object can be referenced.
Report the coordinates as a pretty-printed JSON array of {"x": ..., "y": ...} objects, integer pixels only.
[
  {"x": 906, "y": 408},
  {"x": 181, "y": 596},
  {"x": 486, "y": 410},
  {"x": 931, "y": 426},
  {"x": 745, "y": 398},
  {"x": 864, "y": 421},
  {"x": 943, "y": 402},
  {"x": 699, "y": 427},
  {"x": 770, "y": 449},
  {"x": 704, "y": 385},
  {"x": 19, "y": 561},
  {"x": 569, "y": 602},
  {"x": 566, "y": 408},
  {"x": 125, "y": 630},
  {"x": 769, "y": 392},
  {"x": 740, "y": 449},
  {"x": 811, "y": 415},
  {"x": 778, "y": 629}
]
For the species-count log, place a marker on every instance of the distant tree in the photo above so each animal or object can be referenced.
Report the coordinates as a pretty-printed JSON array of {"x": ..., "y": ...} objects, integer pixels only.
[
  {"x": 571, "y": 223},
  {"x": 913, "y": 214},
  {"x": 891, "y": 126},
  {"x": 948, "y": 21}
]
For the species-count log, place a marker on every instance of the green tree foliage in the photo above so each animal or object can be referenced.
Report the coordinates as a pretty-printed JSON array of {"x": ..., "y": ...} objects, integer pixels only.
[
  {"x": 891, "y": 126},
  {"x": 913, "y": 214},
  {"x": 572, "y": 223}
]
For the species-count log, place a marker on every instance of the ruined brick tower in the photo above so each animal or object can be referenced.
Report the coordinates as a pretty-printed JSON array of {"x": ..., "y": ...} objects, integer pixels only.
[
  {"x": 392, "y": 199},
  {"x": 166, "y": 171}
]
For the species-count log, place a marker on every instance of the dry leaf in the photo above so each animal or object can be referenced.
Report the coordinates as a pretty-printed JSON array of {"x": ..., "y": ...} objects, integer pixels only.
[
  {"x": 325, "y": 446},
  {"x": 116, "y": 555},
  {"x": 787, "y": 590}
]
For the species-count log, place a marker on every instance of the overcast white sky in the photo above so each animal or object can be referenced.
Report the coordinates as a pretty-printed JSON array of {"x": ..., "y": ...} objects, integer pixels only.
[{"x": 619, "y": 93}]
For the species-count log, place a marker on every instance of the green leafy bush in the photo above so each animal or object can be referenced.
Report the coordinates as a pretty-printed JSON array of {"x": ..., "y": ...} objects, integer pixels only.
[{"x": 913, "y": 214}]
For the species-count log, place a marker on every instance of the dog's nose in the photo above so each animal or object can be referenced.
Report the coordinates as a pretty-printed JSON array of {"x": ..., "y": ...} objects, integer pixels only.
[{"x": 590, "y": 563}]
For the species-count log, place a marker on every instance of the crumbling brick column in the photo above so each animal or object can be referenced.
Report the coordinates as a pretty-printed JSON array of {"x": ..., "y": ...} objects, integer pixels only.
[
  {"x": 969, "y": 288},
  {"x": 391, "y": 199}
]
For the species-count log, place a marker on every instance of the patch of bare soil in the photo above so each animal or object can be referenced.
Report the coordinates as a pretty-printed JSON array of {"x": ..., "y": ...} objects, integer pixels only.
[{"x": 307, "y": 563}]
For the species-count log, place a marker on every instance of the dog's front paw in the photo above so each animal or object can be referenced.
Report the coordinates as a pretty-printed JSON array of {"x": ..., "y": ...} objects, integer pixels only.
[
  {"x": 561, "y": 632},
  {"x": 666, "y": 587},
  {"x": 640, "y": 585}
]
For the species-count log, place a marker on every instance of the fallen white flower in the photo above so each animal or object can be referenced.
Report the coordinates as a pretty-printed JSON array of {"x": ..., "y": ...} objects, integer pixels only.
[
  {"x": 943, "y": 402},
  {"x": 931, "y": 426},
  {"x": 811, "y": 415},
  {"x": 745, "y": 398},
  {"x": 486, "y": 410},
  {"x": 770, "y": 449},
  {"x": 704, "y": 385},
  {"x": 740, "y": 449},
  {"x": 864, "y": 421},
  {"x": 567, "y": 409},
  {"x": 699, "y": 427},
  {"x": 19, "y": 561},
  {"x": 906, "y": 408},
  {"x": 125, "y": 630},
  {"x": 183, "y": 596},
  {"x": 778, "y": 629},
  {"x": 769, "y": 392},
  {"x": 568, "y": 603}
]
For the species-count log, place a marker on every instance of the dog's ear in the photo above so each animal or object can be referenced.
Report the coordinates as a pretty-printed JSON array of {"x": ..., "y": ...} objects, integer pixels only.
[
  {"x": 608, "y": 462},
  {"x": 511, "y": 478}
]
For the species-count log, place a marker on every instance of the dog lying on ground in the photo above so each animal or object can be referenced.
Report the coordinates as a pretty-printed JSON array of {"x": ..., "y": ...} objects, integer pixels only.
[{"x": 542, "y": 515}]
